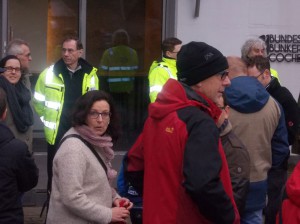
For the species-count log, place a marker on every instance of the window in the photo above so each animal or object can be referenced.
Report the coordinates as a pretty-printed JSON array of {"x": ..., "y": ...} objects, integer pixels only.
[{"x": 44, "y": 24}]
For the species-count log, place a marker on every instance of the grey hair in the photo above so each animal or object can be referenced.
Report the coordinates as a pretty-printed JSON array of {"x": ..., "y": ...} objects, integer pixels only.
[
  {"x": 14, "y": 47},
  {"x": 246, "y": 48}
]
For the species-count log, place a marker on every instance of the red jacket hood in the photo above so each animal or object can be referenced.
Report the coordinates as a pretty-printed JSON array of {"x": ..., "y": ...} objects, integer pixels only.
[{"x": 176, "y": 95}]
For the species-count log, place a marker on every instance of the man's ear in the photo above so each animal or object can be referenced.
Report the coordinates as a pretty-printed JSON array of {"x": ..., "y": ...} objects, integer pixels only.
[
  {"x": 268, "y": 72},
  {"x": 168, "y": 53},
  {"x": 197, "y": 86},
  {"x": 227, "y": 109},
  {"x": 80, "y": 52}
]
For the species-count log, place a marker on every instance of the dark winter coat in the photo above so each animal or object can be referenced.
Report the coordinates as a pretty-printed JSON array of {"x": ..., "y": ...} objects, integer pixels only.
[
  {"x": 18, "y": 174},
  {"x": 239, "y": 165},
  {"x": 289, "y": 106}
]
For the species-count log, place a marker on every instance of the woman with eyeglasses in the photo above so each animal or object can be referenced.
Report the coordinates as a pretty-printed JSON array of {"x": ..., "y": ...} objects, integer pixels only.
[
  {"x": 82, "y": 171},
  {"x": 19, "y": 117}
]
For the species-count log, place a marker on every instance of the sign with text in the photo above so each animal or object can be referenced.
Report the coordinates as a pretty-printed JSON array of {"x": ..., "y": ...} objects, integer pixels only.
[{"x": 283, "y": 47}]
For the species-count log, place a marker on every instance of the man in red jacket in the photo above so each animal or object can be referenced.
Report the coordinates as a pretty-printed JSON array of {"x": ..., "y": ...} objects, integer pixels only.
[{"x": 179, "y": 156}]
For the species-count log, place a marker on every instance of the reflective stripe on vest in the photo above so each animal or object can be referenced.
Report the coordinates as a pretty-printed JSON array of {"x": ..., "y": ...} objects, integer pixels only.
[
  {"x": 39, "y": 97},
  {"x": 50, "y": 125},
  {"x": 156, "y": 88},
  {"x": 93, "y": 84},
  {"x": 119, "y": 68},
  {"x": 120, "y": 79},
  {"x": 52, "y": 105},
  {"x": 49, "y": 77}
]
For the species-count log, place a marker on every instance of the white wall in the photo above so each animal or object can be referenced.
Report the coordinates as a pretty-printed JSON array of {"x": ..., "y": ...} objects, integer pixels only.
[{"x": 227, "y": 24}]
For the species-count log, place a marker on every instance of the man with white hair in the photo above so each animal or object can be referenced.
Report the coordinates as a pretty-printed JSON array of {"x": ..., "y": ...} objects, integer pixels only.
[
  {"x": 256, "y": 47},
  {"x": 21, "y": 49}
]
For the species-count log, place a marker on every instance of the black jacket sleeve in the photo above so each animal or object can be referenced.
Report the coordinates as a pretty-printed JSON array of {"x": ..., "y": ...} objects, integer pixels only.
[
  {"x": 27, "y": 172},
  {"x": 202, "y": 166}
]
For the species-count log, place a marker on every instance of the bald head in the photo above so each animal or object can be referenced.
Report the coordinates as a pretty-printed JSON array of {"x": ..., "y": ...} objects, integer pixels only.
[{"x": 237, "y": 67}]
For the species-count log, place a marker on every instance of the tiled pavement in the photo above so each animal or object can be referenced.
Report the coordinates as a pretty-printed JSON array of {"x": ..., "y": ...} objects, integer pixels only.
[{"x": 32, "y": 215}]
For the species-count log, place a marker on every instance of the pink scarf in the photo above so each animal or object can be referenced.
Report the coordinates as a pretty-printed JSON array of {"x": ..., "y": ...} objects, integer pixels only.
[{"x": 103, "y": 143}]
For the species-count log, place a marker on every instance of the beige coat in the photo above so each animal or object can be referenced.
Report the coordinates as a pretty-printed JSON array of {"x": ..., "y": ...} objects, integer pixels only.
[
  {"x": 256, "y": 130},
  {"x": 81, "y": 192}
]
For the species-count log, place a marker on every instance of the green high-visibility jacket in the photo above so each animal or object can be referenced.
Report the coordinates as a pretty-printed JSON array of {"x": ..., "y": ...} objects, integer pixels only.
[
  {"x": 48, "y": 98},
  {"x": 159, "y": 74},
  {"x": 118, "y": 67}
]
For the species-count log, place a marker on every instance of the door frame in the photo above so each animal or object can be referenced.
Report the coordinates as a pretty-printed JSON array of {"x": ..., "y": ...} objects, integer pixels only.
[{"x": 3, "y": 26}]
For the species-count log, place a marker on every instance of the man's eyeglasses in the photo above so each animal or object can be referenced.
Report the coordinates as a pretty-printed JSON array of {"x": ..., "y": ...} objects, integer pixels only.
[
  {"x": 95, "y": 115},
  {"x": 260, "y": 74},
  {"x": 223, "y": 74},
  {"x": 10, "y": 69}
]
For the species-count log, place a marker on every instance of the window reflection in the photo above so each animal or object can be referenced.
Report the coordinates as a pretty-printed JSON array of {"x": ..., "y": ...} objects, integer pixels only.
[
  {"x": 62, "y": 21},
  {"x": 123, "y": 67}
]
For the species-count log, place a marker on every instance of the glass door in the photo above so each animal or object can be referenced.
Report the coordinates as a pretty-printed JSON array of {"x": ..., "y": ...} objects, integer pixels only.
[
  {"x": 123, "y": 37},
  {"x": 45, "y": 23}
]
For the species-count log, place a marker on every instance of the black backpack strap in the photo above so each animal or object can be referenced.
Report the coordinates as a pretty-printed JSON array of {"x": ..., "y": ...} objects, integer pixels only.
[{"x": 89, "y": 145}]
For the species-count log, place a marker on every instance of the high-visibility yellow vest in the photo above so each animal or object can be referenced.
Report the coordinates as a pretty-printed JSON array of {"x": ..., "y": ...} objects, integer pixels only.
[
  {"x": 48, "y": 98},
  {"x": 274, "y": 73},
  {"x": 119, "y": 65},
  {"x": 159, "y": 73}
]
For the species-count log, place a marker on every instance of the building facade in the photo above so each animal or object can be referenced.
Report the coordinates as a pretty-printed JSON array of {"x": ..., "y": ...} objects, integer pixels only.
[{"x": 224, "y": 24}]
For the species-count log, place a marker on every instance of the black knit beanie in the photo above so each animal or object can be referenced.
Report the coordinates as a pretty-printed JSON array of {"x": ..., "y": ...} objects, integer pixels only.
[{"x": 197, "y": 61}]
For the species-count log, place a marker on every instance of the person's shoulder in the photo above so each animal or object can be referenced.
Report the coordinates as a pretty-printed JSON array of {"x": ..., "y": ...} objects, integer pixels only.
[
  {"x": 9, "y": 143},
  {"x": 193, "y": 115},
  {"x": 16, "y": 148},
  {"x": 58, "y": 67},
  {"x": 235, "y": 140},
  {"x": 46, "y": 70},
  {"x": 285, "y": 92},
  {"x": 158, "y": 67},
  {"x": 71, "y": 141},
  {"x": 85, "y": 65}
]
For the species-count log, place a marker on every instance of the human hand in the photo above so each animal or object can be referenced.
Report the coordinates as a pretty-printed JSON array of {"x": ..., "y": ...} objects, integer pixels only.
[
  {"x": 123, "y": 202},
  {"x": 119, "y": 214}
]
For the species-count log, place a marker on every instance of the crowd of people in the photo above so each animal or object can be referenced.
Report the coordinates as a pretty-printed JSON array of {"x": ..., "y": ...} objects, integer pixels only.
[{"x": 214, "y": 147}]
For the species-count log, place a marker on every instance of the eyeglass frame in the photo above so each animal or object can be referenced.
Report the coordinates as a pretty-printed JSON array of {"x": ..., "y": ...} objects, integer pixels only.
[
  {"x": 69, "y": 50},
  {"x": 104, "y": 115},
  {"x": 223, "y": 74},
  {"x": 10, "y": 69},
  {"x": 260, "y": 74}
]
